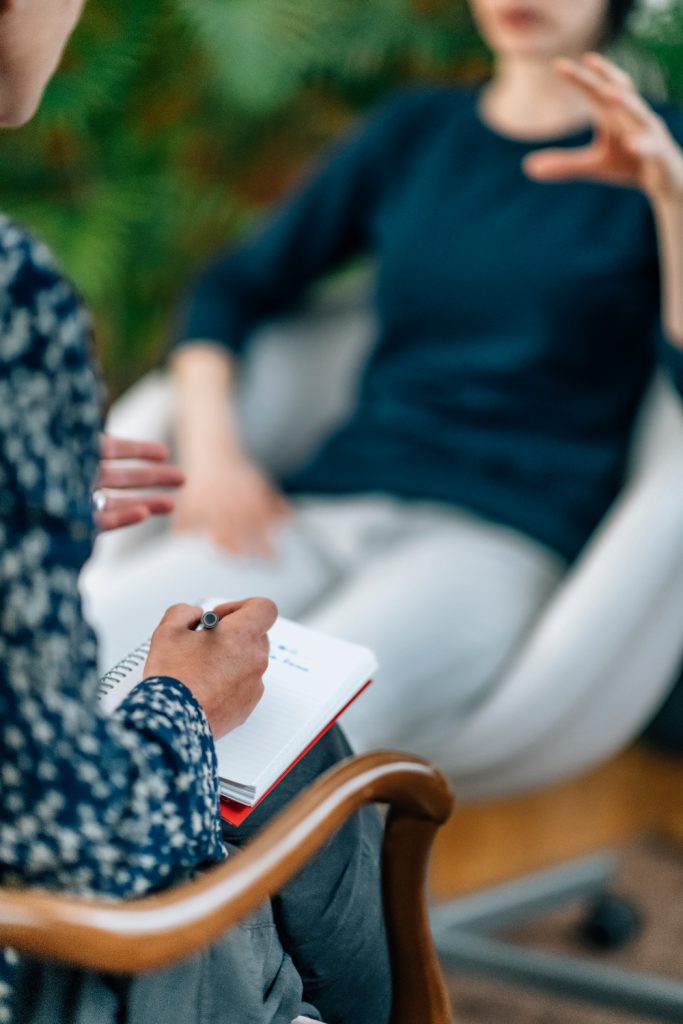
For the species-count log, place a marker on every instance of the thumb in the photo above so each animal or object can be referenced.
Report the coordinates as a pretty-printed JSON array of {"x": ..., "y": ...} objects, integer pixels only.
[{"x": 562, "y": 164}]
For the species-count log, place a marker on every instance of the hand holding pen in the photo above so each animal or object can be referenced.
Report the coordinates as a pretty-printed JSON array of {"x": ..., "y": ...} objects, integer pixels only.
[{"x": 225, "y": 670}]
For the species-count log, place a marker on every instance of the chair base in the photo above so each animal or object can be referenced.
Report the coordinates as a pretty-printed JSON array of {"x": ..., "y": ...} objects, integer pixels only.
[{"x": 461, "y": 928}]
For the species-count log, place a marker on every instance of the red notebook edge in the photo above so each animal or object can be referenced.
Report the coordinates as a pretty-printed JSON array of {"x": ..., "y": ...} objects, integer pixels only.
[{"x": 235, "y": 813}]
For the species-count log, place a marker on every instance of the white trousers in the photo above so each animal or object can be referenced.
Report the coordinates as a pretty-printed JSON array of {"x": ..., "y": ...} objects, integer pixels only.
[{"x": 444, "y": 598}]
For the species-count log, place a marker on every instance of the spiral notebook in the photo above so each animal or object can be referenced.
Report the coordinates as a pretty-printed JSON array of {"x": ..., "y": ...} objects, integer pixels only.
[{"x": 311, "y": 680}]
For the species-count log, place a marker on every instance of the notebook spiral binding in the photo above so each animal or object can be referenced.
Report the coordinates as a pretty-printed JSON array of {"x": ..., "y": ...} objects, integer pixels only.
[{"x": 123, "y": 668}]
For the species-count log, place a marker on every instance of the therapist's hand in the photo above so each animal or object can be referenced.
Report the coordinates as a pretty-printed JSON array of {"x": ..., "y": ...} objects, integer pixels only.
[
  {"x": 223, "y": 667},
  {"x": 134, "y": 466}
]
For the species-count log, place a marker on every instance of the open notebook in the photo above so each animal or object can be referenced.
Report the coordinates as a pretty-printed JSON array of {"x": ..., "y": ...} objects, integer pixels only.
[{"x": 312, "y": 678}]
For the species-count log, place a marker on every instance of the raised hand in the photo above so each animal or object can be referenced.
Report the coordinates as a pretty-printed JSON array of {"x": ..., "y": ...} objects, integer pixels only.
[
  {"x": 632, "y": 144},
  {"x": 153, "y": 471}
]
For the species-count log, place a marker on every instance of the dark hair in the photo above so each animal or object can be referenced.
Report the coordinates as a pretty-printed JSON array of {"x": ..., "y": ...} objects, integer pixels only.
[{"x": 617, "y": 14}]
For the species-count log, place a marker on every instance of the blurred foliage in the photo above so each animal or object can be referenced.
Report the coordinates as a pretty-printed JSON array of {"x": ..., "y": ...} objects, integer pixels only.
[{"x": 172, "y": 123}]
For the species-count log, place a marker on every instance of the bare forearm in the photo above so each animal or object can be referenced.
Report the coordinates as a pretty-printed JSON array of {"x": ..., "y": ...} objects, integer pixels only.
[
  {"x": 669, "y": 220},
  {"x": 203, "y": 375},
  {"x": 226, "y": 497}
]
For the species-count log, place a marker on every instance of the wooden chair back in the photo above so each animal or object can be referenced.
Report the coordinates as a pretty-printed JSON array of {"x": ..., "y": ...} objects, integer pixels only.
[{"x": 153, "y": 932}]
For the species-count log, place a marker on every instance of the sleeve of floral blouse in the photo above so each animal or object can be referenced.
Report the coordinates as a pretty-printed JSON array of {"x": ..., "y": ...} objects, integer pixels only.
[
  {"x": 95, "y": 805},
  {"x": 101, "y": 806}
]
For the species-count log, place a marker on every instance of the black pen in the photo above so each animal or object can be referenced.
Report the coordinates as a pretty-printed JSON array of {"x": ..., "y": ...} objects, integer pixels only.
[{"x": 209, "y": 620}]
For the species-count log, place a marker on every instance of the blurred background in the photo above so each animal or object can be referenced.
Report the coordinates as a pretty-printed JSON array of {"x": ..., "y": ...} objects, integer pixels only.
[{"x": 173, "y": 124}]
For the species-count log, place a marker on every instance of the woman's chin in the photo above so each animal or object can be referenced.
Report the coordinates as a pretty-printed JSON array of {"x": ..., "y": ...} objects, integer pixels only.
[{"x": 535, "y": 46}]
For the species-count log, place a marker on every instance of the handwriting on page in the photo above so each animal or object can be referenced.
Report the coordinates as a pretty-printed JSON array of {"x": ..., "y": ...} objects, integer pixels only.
[
  {"x": 310, "y": 677},
  {"x": 291, "y": 657}
]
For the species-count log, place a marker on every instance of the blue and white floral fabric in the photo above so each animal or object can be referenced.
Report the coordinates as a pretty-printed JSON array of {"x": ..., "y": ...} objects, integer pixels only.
[{"x": 112, "y": 807}]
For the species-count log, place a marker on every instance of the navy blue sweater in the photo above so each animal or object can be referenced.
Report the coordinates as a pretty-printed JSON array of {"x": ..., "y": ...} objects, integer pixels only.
[{"x": 519, "y": 321}]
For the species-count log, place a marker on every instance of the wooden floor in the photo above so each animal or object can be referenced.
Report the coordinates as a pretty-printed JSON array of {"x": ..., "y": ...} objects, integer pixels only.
[{"x": 639, "y": 792}]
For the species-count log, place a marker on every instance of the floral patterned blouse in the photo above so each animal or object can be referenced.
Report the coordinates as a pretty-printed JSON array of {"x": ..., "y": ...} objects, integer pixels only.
[{"x": 113, "y": 807}]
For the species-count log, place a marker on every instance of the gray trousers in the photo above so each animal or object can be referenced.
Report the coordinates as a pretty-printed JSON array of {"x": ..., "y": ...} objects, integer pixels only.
[
  {"x": 444, "y": 597},
  {"x": 319, "y": 949}
]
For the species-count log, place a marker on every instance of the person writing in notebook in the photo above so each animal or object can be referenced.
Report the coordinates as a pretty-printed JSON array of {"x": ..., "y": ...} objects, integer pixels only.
[{"x": 120, "y": 806}]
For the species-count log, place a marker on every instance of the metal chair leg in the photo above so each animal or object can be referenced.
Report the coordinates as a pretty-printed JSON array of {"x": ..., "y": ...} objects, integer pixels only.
[{"x": 460, "y": 933}]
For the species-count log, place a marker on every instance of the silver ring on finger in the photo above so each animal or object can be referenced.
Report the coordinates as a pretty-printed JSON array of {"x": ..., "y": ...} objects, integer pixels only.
[{"x": 99, "y": 500}]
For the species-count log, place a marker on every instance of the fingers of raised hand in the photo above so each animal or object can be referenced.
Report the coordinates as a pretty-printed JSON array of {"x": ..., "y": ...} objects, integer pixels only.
[
  {"x": 645, "y": 135},
  {"x": 559, "y": 164},
  {"x": 593, "y": 85},
  {"x": 608, "y": 69},
  {"x": 648, "y": 145},
  {"x": 613, "y": 95}
]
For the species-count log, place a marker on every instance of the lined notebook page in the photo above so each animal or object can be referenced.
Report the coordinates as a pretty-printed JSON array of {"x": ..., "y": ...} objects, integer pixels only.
[{"x": 310, "y": 679}]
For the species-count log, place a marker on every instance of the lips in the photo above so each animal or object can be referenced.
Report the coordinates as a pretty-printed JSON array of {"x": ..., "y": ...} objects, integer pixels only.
[{"x": 520, "y": 17}]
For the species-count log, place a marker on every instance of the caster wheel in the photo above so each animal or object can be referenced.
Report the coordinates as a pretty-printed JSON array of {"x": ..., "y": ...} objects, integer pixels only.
[{"x": 610, "y": 923}]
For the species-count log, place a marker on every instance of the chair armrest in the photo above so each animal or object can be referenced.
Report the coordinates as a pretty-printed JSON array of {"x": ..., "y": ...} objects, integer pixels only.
[{"x": 155, "y": 931}]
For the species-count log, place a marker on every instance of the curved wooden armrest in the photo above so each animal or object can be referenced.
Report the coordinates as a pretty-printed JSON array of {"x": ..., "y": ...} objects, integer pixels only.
[{"x": 155, "y": 931}]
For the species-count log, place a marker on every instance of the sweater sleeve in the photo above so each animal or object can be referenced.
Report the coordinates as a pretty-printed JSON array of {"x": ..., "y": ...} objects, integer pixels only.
[
  {"x": 325, "y": 223},
  {"x": 672, "y": 359},
  {"x": 113, "y": 807},
  {"x": 672, "y": 354}
]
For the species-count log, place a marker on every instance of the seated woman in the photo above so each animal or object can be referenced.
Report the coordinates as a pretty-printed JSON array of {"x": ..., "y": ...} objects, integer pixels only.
[
  {"x": 120, "y": 806},
  {"x": 528, "y": 237}
]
